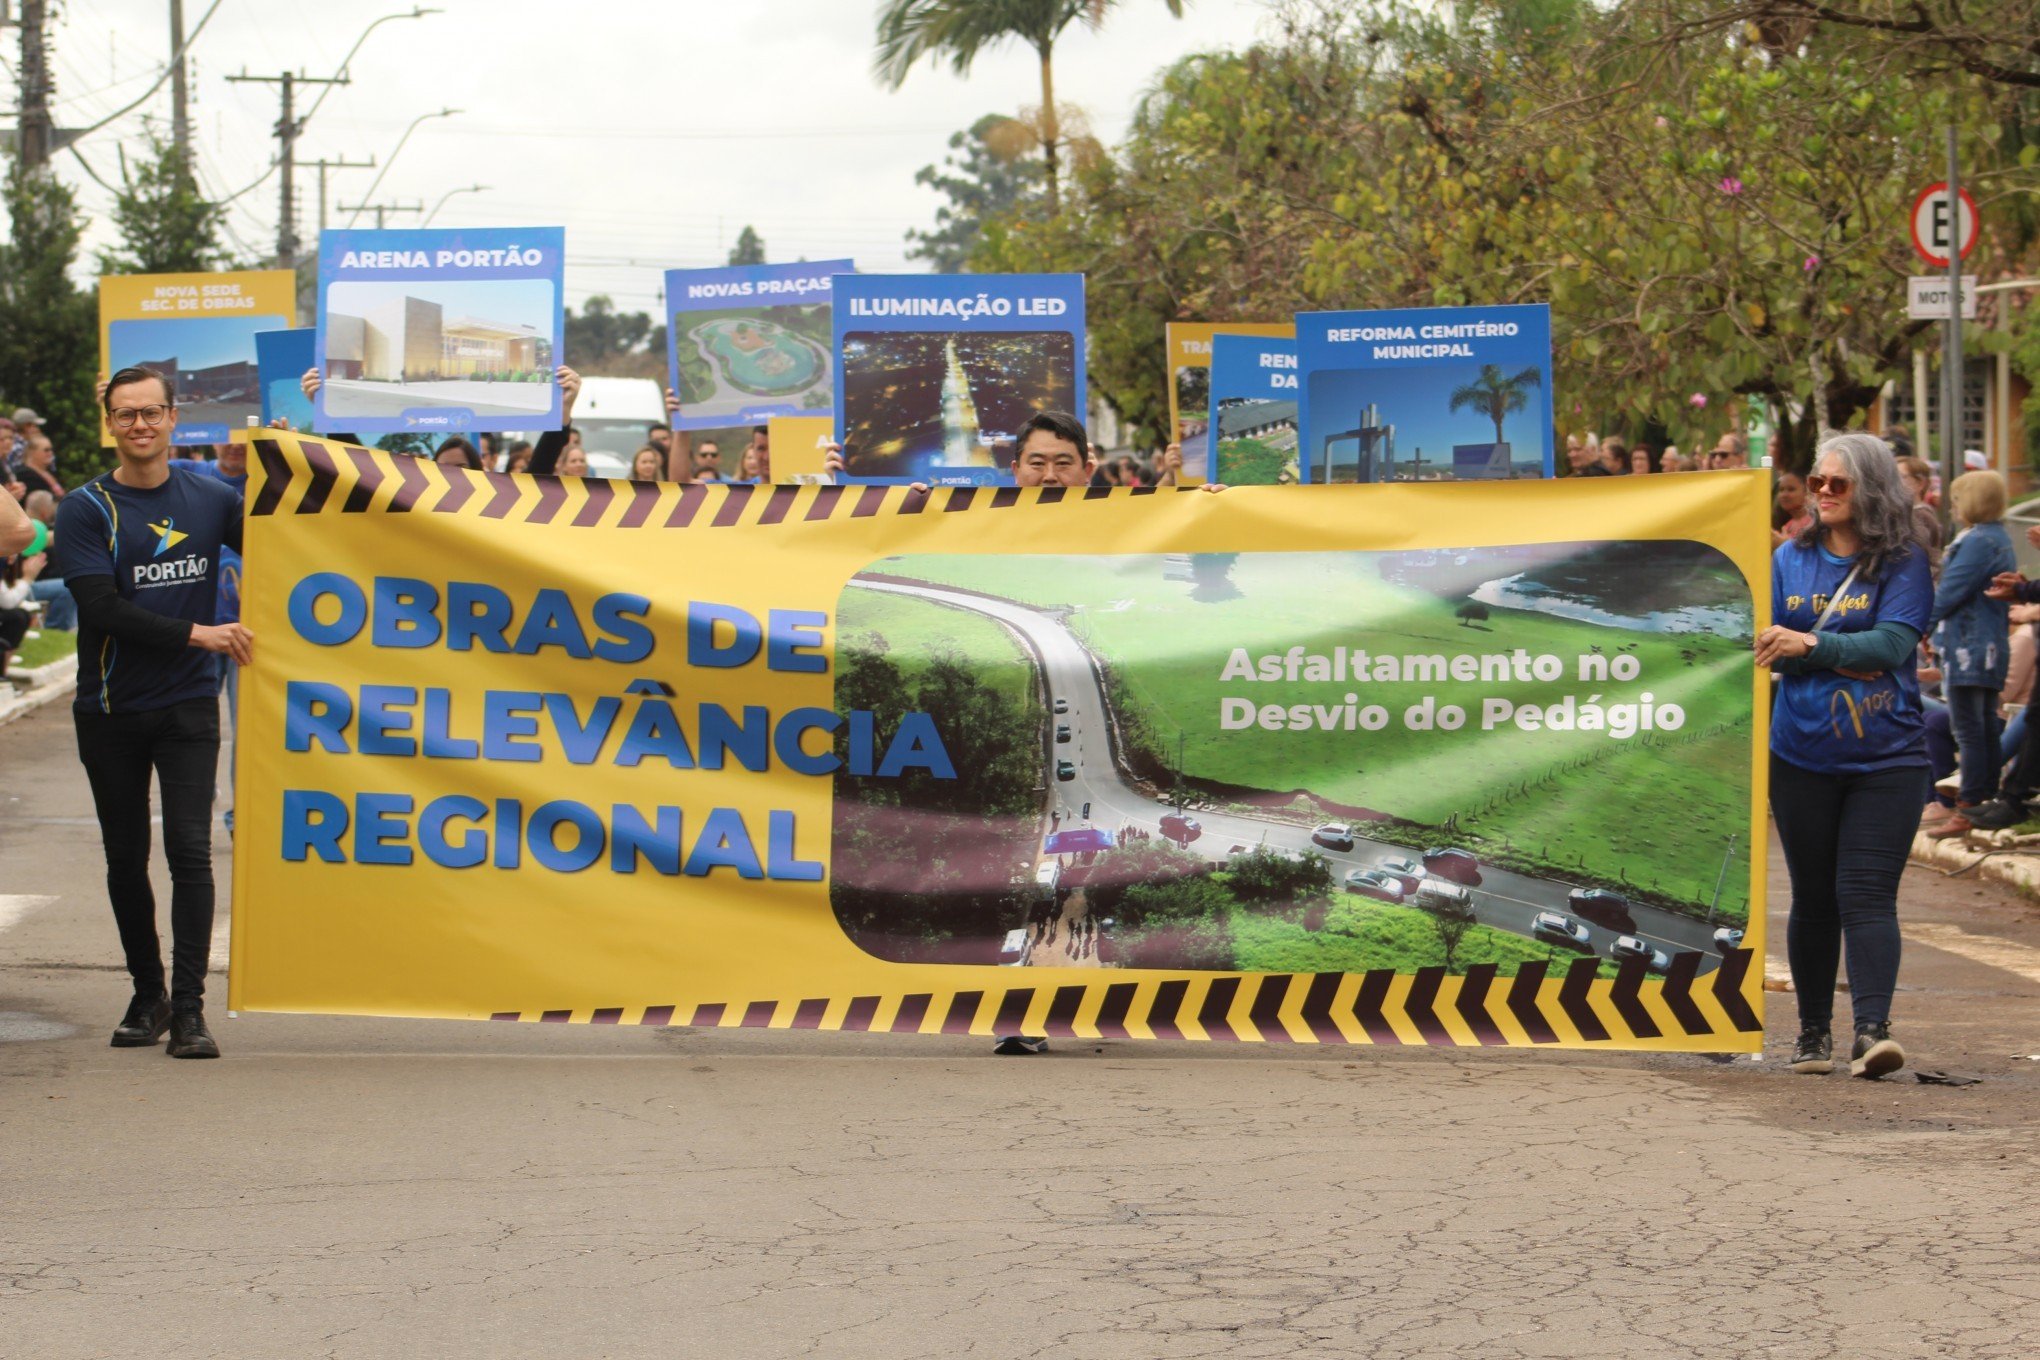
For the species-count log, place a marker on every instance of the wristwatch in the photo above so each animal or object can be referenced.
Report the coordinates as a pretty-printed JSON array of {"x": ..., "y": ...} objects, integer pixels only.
[{"x": 1812, "y": 641}]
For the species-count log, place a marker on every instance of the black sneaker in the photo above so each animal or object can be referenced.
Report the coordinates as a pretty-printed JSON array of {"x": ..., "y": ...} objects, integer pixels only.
[
  {"x": 1998, "y": 814},
  {"x": 189, "y": 1038},
  {"x": 1876, "y": 1053},
  {"x": 1814, "y": 1054},
  {"x": 144, "y": 1023}
]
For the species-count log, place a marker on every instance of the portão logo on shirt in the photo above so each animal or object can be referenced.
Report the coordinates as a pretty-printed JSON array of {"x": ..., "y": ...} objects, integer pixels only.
[
  {"x": 168, "y": 536},
  {"x": 160, "y": 571}
]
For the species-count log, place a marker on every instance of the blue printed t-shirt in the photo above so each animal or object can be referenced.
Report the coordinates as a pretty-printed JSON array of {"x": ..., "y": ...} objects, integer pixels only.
[
  {"x": 1828, "y": 722},
  {"x": 162, "y": 546}
]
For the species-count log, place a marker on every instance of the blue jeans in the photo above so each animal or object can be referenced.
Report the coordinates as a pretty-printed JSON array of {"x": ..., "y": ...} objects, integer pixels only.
[
  {"x": 59, "y": 609},
  {"x": 1972, "y": 715}
]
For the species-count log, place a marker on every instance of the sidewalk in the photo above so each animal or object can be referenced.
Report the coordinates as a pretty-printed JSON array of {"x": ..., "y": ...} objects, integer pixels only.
[{"x": 45, "y": 683}]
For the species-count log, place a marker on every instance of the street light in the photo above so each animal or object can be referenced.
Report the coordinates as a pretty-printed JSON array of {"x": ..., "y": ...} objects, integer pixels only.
[
  {"x": 470, "y": 189},
  {"x": 390, "y": 160},
  {"x": 416, "y": 13}
]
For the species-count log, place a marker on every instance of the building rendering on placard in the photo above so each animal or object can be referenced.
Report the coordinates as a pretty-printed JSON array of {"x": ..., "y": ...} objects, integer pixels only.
[
  {"x": 411, "y": 339},
  {"x": 217, "y": 383}
]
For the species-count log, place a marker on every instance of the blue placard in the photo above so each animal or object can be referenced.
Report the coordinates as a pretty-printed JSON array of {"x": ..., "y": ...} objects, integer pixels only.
[
  {"x": 1254, "y": 422},
  {"x": 750, "y": 342},
  {"x": 438, "y": 332},
  {"x": 1392, "y": 395},
  {"x": 938, "y": 372},
  {"x": 281, "y": 358}
]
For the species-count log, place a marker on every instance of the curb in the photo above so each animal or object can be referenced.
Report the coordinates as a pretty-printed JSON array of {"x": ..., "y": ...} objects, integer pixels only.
[
  {"x": 2013, "y": 862},
  {"x": 46, "y": 683}
]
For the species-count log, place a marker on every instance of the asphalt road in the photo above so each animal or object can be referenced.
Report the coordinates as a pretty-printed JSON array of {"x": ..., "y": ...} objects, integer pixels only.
[
  {"x": 1504, "y": 899},
  {"x": 359, "y": 1188}
]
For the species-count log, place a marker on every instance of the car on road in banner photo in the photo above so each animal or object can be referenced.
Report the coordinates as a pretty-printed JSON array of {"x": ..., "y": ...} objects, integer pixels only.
[
  {"x": 1046, "y": 875},
  {"x": 1603, "y": 908},
  {"x": 1445, "y": 899},
  {"x": 1181, "y": 828},
  {"x": 1630, "y": 947},
  {"x": 1406, "y": 872},
  {"x": 1374, "y": 883},
  {"x": 1458, "y": 865},
  {"x": 1559, "y": 928},
  {"x": 1334, "y": 836},
  {"x": 1062, "y": 705},
  {"x": 1062, "y": 732},
  {"x": 1728, "y": 938},
  {"x": 1065, "y": 770}
]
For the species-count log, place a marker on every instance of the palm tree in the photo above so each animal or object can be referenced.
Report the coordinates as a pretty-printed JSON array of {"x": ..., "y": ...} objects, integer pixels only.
[
  {"x": 1494, "y": 396},
  {"x": 960, "y": 30}
]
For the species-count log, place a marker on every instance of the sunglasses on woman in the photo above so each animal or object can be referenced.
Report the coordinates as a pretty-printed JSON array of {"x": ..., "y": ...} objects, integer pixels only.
[{"x": 1838, "y": 485}]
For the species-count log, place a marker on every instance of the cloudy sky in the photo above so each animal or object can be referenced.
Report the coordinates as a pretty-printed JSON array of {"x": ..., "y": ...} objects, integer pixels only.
[{"x": 653, "y": 130}]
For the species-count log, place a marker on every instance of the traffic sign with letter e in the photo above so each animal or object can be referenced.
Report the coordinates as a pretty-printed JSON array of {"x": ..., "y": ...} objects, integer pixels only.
[{"x": 1935, "y": 225}]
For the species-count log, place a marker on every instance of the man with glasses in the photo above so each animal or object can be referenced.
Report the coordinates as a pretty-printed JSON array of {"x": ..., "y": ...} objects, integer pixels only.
[{"x": 140, "y": 548}]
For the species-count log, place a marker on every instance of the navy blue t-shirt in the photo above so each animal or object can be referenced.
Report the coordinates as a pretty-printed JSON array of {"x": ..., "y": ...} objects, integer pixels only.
[
  {"x": 163, "y": 547},
  {"x": 1829, "y": 722}
]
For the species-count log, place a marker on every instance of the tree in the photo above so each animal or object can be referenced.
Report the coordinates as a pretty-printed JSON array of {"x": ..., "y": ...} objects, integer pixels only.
[
  {"x": 166, "y": 225},
  {"x": 1451, "y": 932},
  {"x": 1993, "y": 42},
  {"x": 1495, "y": 396},
  {"x": 1708, "y": 217},
  {"x": 983, "y": 179},
  {"x": 604, "y": 341},
  {"x": 49, "y": 343},
  {"x": 750, "y": 247},
  {"x": 962, "y": 30}
]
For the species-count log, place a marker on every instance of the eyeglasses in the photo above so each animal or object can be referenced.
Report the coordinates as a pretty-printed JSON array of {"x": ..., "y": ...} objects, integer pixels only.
[
  {"x": 126, "y": 416},
  {"x": 1839, "y": 485}
]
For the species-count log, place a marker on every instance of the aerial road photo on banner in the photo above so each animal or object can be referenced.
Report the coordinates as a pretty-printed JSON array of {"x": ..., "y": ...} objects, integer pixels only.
[{"x": 1300, "y": 762}]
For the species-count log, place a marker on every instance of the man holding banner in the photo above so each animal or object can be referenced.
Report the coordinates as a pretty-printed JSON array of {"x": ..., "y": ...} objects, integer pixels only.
[{"x": 141, "y": 548}]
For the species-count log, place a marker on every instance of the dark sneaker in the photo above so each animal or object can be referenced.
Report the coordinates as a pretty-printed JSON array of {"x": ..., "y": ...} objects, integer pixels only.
[
  {"x": 1998, "y": 814},
  {"x": 144, "y": 1023},
  {"x": 189, "y": 1038},
  {"x": 1814, "y": 1054},
  {"x": 1019, "y": 1044},
  {"x": 1876, "y": 1053}
]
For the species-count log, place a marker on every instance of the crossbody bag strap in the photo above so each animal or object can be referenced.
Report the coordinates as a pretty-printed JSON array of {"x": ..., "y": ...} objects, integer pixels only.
[{"x": 1835, "y": 600}]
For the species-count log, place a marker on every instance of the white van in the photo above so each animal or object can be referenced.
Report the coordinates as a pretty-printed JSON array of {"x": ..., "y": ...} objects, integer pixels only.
[
  {"x": 1046, "y": 876},
  {"x": 1446, "y": 899},
  {"x": 612, "y": 415}
]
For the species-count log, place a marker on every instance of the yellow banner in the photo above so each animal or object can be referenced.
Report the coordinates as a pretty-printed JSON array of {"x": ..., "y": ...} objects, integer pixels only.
[{"x": 1375, "y": 764}]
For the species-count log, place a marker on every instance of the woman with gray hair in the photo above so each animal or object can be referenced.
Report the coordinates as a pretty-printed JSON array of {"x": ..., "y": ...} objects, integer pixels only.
[{"x": 1850, "y": 599}]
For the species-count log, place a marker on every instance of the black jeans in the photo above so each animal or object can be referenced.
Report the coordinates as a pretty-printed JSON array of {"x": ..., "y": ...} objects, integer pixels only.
[
  {"x": 1845, "y": 837},
  {"x": 181, "y": 745}
]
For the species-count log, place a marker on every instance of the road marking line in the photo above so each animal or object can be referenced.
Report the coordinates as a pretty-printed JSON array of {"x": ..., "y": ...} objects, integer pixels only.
[
  {"x": 1988, "y": 950},
  {"x": 14, "y": 906}
]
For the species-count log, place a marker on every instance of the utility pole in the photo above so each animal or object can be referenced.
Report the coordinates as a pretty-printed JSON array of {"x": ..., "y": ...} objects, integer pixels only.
[
  {"x": 180, "y": 108},
  {"x": 322, "y": 166},
  {"x": 38, "y": 132},
  {"x": 288, "y": 125},
  {"x": 381, "y": 209},
  {"x": 1951, "y": 350}
]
